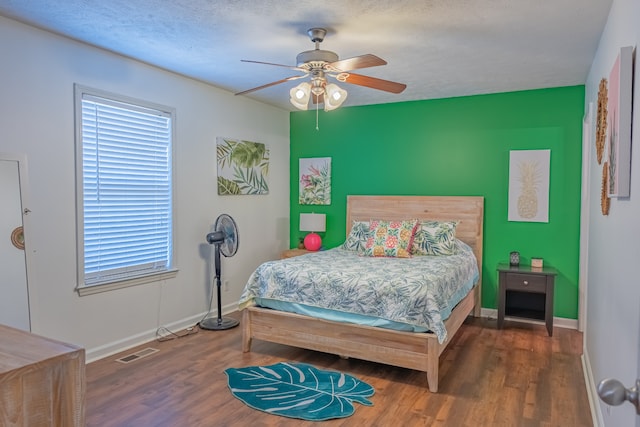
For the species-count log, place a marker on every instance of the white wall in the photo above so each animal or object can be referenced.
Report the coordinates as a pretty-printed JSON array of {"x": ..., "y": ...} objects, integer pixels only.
[
  {"x": 36, "y": 118},
  {"x": 613, "y": 310}
]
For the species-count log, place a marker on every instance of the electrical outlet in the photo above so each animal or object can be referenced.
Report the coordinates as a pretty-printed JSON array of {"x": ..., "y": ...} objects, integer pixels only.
[{"x": 226, "y": 286}]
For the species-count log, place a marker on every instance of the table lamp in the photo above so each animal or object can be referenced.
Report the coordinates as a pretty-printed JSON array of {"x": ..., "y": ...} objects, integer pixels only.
[{"x": 312, "y": 222}]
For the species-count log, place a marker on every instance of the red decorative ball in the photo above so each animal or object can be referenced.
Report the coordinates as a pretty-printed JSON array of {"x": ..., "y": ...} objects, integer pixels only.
[{"x": 312, "y": 242}]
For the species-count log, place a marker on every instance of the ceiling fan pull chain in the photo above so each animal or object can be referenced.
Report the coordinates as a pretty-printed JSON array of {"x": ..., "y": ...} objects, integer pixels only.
[{"x": 317, "y": 128}]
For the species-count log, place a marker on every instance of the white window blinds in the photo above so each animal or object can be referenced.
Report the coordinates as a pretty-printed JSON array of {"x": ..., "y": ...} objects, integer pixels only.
[{"x": 126, "y": 190}]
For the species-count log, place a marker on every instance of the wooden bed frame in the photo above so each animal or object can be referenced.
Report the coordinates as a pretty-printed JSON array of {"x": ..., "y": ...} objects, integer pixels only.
[{"x": 419, "y": 351}]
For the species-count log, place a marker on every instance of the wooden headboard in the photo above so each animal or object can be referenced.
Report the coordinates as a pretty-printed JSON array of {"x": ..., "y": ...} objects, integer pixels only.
[{"x": 468, "y": 210}]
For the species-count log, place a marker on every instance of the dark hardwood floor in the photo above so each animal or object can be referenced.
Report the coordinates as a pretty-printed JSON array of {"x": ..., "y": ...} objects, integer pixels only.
[{"x": 517, "y": 376}]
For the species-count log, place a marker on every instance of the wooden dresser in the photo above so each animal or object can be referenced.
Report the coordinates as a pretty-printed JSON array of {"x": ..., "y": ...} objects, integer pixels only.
[{"x": 42, "y": 381}]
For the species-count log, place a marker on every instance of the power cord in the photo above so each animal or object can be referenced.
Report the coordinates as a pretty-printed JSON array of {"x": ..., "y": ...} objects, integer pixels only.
[{"x": 165, "y": 334}]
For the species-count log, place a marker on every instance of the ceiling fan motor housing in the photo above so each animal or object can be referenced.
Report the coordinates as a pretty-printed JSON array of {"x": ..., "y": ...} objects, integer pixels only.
[
  {"x": 317, "y": 58},
  {"x": 317, "y": 55}
]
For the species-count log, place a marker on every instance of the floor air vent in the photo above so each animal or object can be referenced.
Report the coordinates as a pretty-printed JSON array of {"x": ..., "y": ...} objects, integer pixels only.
[{"x": 137, "y": 355}]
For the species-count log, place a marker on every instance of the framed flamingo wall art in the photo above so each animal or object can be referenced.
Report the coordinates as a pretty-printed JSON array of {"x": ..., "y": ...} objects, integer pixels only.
[{"x": 315, "y": 181}]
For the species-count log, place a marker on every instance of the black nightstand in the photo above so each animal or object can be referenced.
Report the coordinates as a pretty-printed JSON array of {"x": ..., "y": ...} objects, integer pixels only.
[{"x": 526, "y": 292}]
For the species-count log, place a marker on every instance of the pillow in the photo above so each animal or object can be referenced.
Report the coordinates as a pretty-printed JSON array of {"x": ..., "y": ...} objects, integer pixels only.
[
  {"x": 435, "y": 238},
  {"x": 357, "y": 238},
  {"x": 390, "y": 238}
]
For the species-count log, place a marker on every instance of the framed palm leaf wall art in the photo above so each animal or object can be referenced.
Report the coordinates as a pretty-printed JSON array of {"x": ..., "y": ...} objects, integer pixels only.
[
  {"x": 315, "y": 181},
  {"x": 529, "y": 185},
  {"x": 243, "y": 167}
]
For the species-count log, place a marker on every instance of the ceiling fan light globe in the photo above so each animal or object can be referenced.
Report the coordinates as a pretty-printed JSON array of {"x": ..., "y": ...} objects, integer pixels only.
[
  {"x": 299, "y": 96},
  {"x": 335, "y": 97}
]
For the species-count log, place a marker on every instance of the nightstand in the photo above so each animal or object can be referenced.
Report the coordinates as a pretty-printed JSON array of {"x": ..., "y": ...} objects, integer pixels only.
[
  {"x": 290, "y": 253},
  {"x": 526, "y": 292}
]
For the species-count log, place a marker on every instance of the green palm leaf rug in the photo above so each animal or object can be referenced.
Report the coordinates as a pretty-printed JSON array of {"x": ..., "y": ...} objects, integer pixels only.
[{"x": 298, "y": 390}]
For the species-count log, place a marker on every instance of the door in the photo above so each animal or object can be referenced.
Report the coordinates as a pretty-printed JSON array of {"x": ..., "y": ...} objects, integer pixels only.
[
  {"x": 14, "y": 294},
  {"x": 614, "y": 392}
]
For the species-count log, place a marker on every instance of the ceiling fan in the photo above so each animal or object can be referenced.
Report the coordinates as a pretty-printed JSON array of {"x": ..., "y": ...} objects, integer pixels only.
[{"x": 319, "y": 64}]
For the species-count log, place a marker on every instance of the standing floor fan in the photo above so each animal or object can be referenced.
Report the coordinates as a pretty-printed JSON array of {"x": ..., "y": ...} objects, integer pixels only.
[{"x": 225, "y": 240}]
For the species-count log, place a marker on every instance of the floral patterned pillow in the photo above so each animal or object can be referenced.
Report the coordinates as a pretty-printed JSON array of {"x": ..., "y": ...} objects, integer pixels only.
[
  {"x": 435, "y": 238},
  {"x": 357, "y": 238},
  {"x": 390, "y": 238}
]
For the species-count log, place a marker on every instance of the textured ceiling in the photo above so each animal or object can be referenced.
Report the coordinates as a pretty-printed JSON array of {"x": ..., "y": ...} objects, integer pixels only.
[{"x": 438, "y": 48}]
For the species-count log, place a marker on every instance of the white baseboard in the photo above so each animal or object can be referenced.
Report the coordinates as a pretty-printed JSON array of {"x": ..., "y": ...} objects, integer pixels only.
[
  {"x": 561, "y": 322},
  {"x": 109, "y": 349},
  {"x": 594, "y": 402}
]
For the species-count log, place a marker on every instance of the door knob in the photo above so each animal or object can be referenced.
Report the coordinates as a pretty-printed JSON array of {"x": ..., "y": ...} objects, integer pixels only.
[{"x": 613, "y": 392}]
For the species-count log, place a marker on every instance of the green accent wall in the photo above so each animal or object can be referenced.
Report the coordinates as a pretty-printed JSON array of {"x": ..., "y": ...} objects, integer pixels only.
[{"x": 457, "y": 146}]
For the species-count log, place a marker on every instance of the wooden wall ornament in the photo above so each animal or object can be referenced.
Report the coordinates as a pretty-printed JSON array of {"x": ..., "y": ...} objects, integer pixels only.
[
  {"x": 17, "y": 238},
  {"x": 601, "y": 120},
  {"x": 605, "y": 201}
]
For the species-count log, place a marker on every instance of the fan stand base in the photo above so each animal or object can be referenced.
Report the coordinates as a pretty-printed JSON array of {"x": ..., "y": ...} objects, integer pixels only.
[{"x": 214, "y": 324}]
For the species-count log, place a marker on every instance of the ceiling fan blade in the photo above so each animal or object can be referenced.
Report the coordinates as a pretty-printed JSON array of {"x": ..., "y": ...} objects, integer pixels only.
[
  {"x": 291, "y": 67},
  {"x": 357, "y": 62},
  {"x": 374, "y": 83},
  {"x": 244, "y": 92}
]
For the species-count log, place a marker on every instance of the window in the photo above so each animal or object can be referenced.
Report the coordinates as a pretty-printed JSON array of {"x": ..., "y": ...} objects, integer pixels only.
[{"x": 124, "y": 177}]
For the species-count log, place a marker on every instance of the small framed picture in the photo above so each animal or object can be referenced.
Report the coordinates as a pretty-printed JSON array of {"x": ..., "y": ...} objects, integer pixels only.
[{"x": 536, "y": 262}]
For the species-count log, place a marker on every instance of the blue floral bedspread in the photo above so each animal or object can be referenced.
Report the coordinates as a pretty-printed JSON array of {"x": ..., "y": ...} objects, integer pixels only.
[{"x": 420, "y": 291}]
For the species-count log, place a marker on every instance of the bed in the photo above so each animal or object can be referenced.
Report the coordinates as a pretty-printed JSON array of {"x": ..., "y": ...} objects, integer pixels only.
[{"x": 413, "y": 350}]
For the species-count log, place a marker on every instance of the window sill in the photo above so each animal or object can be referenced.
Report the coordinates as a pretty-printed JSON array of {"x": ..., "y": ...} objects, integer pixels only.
[{"x": 105, "y": 287}]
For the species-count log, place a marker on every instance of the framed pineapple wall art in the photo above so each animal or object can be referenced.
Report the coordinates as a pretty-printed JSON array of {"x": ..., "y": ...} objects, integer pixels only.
[{"x": 529, "y": 185}]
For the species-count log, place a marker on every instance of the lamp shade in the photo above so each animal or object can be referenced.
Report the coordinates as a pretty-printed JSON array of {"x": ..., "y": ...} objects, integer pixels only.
[
  {"x": 334, "y": 97},
  {"x": 300, "y": 96},
  {"x": 313, "y": 222}
]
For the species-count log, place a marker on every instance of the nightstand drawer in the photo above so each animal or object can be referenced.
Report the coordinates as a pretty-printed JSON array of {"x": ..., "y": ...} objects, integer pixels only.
[{"x": 526, "y": 282}]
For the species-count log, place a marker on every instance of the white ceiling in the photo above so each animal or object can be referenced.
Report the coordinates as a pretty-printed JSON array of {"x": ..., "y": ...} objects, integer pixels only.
[{"x": 439, "y": 48}]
